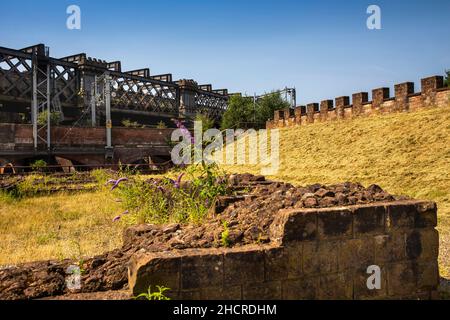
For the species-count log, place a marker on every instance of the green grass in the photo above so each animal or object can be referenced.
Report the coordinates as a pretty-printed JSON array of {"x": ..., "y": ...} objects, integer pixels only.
[
  {"x": 58, "y": 226},
  {"x": 406, "y": 153}
]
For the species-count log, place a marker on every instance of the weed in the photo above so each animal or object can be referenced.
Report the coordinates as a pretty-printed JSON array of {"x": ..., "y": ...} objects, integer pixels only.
[
  {"x": 38, "y": 165},
  {"x": 225, "y": 235},
  {"x": 167, "y": 200},
  {"x": 157, "y": 295}
]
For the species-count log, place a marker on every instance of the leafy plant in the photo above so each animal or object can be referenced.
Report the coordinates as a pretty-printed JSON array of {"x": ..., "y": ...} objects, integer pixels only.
[
  {"x": 131, "y": 124},
  {"x": 168, "y": 200},
  {"x": 38, "y": 165},
  {"x": 225, "y": 236},
  {"x": 447, "y": 78},
  {"x": 55, "y": 118},
  {"x": 207, "y": 122},
  {"x": 161, "y": 125},
  {"x": 101, "y": 175},
  {"x": 157, "y": 295}
]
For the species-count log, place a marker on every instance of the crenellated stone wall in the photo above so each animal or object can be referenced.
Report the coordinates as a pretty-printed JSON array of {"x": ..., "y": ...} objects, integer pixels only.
[
  {"x": 313, "y": 254},
  {"x": 433, "y": 93}
]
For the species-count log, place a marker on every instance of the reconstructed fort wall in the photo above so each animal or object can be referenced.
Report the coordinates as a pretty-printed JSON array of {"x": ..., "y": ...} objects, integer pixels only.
[
  {"x": 433, "y": 94},
  {"x": 314, "y": 254}
]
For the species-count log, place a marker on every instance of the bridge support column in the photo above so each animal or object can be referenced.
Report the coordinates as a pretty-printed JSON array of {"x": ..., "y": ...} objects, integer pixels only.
[
  {"x": 188, "y": 89},
  {"x": 109, "y": 148}
]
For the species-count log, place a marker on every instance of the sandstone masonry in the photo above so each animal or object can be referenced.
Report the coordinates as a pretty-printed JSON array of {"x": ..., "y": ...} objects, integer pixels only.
[{"x": 315, "y": 254}]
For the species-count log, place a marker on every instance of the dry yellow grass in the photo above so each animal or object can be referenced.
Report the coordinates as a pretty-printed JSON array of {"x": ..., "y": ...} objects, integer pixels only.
[
  {"x": 407, "y": 153},
  {"x": 57, "y": 227}
]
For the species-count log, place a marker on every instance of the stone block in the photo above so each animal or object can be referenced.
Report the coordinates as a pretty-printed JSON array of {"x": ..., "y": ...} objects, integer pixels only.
[
  {"x": 361, "y": 289},
  {"x": 341, "y": 103},
  {"x": 422, "y": 244},
  {"x": 431, "y": 84},
  {"x": 428, "y": 276},
  {"x": 294, "y": 225},
  {"x": 325, "y": 106},
  {"x": 400, "y": 216},
  {"x": 369, "y": 220},
  {"x": 190, "y": 295},
  {"x": 300, "y": 289},
  {"x": 402, "y": 279},
  {"x": 320, "y": 257},
  {"x": 221, "y": 293},
  {"x": 358, "y": 100},
  {"x": 262, "y": 291},
  {"x": 356, "y": 253},
  {"x": 243, "y": 265},
  {"x": 336, "y": 286},
  {"x": 283, "y": 262},
  {"x": 202, "y": 269},
  {"x": 311, "y": 109},
  {"x": 426, "y": 215},
  {"x": 379, "y": 96},
  {"x": 390, "y": 247},
  {"x": 335, "y": 223},
  {"x": 154, "y": 269},
  {"x": 402, "y": 91}
]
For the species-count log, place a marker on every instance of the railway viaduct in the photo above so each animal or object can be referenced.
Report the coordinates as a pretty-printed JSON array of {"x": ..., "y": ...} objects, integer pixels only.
[{"x": 72, "y": 108}]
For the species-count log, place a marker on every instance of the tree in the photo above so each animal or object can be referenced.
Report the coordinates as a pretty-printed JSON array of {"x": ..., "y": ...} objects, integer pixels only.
[
  {"x": 267, "y": 105},
  {"x": 207, "y": 122},
  {"x": 243, "y": 113},
  {"x": 447, "y": 78},
  {"x": 238, "y": 113}
]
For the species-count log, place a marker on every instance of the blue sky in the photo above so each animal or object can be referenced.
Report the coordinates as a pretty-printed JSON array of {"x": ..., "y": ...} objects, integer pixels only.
[{"x": 323, "y": 48}]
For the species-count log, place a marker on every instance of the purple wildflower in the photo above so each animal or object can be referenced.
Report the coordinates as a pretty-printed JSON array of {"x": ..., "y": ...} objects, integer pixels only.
[
  {"x": 177, "y": 183},
  {"x": 185, "y": 131},
  {"x": 117, "y": 183},
  {"x": 111, "y": 181},
  {"x": 120, "y": 216}
]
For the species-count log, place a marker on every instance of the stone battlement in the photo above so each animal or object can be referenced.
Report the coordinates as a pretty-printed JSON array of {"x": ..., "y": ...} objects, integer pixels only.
[{"x": 433, "y": 93}]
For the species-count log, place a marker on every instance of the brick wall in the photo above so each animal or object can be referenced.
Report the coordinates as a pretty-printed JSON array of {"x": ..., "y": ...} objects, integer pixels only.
[
  {"x": 84, "y": 145},
  {"x": 314, "y": 254},
  {"x": 432, "y": 94}
]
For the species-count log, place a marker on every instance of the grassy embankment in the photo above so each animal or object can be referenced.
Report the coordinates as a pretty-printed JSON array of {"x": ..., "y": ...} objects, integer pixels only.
[{"x": 406, "y": 153}]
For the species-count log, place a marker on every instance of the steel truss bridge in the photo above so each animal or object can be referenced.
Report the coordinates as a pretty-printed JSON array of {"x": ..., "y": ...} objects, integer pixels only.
[{"x": 84, "y": 91}]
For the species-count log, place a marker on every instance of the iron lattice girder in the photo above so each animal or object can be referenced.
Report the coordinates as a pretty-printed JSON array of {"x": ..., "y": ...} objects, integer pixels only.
[
  {"x": 65, "y": 79},
  {"x": 15, "y": 74},
  {"x": 63, "y": 75},
  {"x": 143, "y": 94},
  {"x": 136, "y": 90},
  {"x": 211, "y": 103}
]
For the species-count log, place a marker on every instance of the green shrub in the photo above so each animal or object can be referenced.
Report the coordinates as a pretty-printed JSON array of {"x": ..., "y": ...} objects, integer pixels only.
[
  {"x": 55, "y": 118},
  {"x": 38, "y": 165},
  {"x": 166, "y": 200}
]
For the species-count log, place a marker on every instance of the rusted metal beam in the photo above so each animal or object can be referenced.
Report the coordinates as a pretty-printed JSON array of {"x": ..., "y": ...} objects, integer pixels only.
[{"x": 140, "y": 72}]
